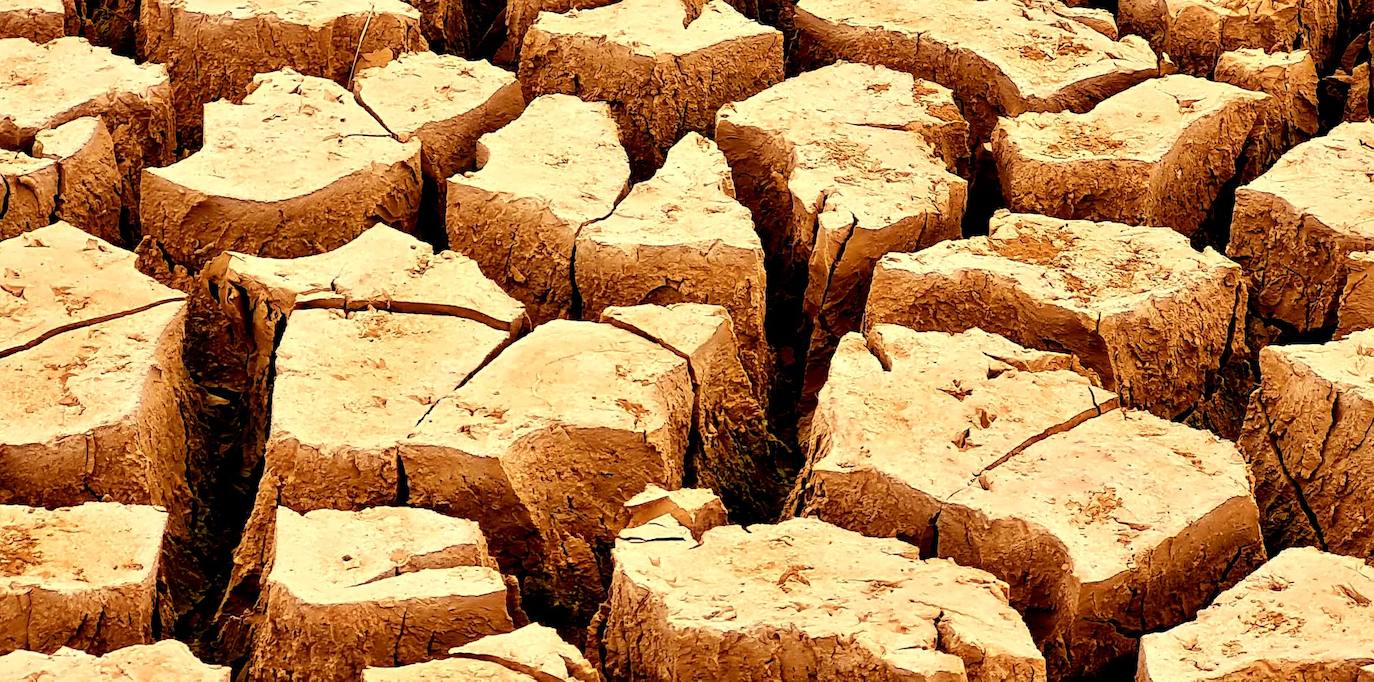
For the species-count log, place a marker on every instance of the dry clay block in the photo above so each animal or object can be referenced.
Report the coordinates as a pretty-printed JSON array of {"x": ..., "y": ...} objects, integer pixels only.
[
  {"x": 731, "y": 452},
  {"x": 533, "y": 653},
  {"x": 1288, "y": 117},
  {"x": 82, "y": 577},
  {"x": 35, "y": 20},
  {"x": 38, "y": 91},
  {"x": 541, "y": 179},
  {"x": 1305, "y": 436},
  {"x": 1357, "y": 300},
  {"x": 681, "y": 237},
  {"x": 664, "y": 66},
  {"x": 30, "y": 192},
  {"x": 806, "y": 600},
  {"x": 214, "y": 49},
  {"x": 1151, "y": 316},
  {"x": 93, "y": 376},
  {"x": 1293, "y": 228},
  {"x": 1155, "y": 154},
  {"x": 1001, "y": 57},
  {"x": 235, "y": 194},
  {"x": 1195, "y": 32},
  {"x": 1359, "y": 101},
  {"x": 384, "y": 586},
  {"x": 87, "y": 175},
  {"x": 840, "y": 166},
  {"x": 1105, "y": 523},
  {"x": 545, "y": 444},
  {"x": 165, "y": 660},
  {"x": 446, "y": 103},
  {"x": 1305, "y": 615}
]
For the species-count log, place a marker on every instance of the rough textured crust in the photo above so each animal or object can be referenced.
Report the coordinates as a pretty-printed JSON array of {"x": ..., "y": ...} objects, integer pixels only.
[
  {"x": 1357, "y": 299},
  {"x": 35, "y": 20},
  {"x": 165, "y": 660},
  {"x": 1151, "y": 316},
  {"x": 1195, "y": 32},
  {"x": 30, "y": 192},
  {"x": 1288, "y": 117}
]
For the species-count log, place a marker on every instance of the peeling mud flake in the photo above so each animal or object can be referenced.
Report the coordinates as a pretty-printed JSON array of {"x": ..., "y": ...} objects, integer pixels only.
[
  {"x": 35, "y": 20},
  {"x": 1304, "y": 615},
  {"x": 38, "y": 92},
  {"x": 1000, "y": 57},
  {"x": 1288, "y": 117},
  {"x": 87, "y": 175},
  {"x": 840, "y": 166},
  {"x": 542, "y": 178},
  {"x": 446, "y": 103},
  {"x": 386, "y": 586},
  {"x": 1294, "y": 226},
  {"x": 1195, "y": 32},
  {"x": 215, "y": 49},
  {"x": 165, "y": 660},
  {"x": 1306, "y": 437},
  {"x": 665, "y": 66},
  {"x": 533, "y": 653},
  {"x": 1151, "y": 316},
  {"x": 1156, "y": 154},
  {"x": 83, "y": 577},
  {"x": 681, "y": 238},
  {"x": 545, "y": 444},
  {"x": 806, "y": 600},
  {"x": 346, "y": 174},
  {"x": 697, "y": 509}
]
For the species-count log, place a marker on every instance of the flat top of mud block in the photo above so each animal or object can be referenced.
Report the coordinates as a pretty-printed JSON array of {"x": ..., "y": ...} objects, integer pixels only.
[
  {"x": 41, "y": 85},
  {"x": 331, "y": 556},
  {"x": 1305, "y": 610},
  {"x": 1330, "y": 178},
  {"x": 58, "y": 278},
  {"x": 1037, "y": 50},
  {"x": 420, "y": 88},
  {"x": 13, "y": 163},
  {"x": 54, "y": 6},
  {"x": 1347, "y": 363},
  {"x": 533, "y": 653},
  {"x": 685, "y": 328},
  {"x": 296, "y": 11},
  {"x": 92, "y": 546},
  {"x": 1145, "y": 122},
  {"x": 168, "y": 659},
  {"x": 1085, "y": 266},
  {"x": 67, "y": 139},
  {"x": 313, "y": 122},
  {"x": 826, "y": 582},
  {"x": 382, "y": 267},
  {"x": 656, "y": 27},
  {"x": 689, "y": 200},
  {"x": 562, "y": 152}
]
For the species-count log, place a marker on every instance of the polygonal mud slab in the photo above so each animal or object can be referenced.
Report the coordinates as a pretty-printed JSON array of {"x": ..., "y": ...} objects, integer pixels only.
[
  {"x": 681, "y": 237},
  {"x": 383, "y": 586},
  {"x": 697, "y": 509},
  {"x": 35, "y": 20},
  {"x": 82, "y": 577},
  {"x": 808, "y": 600},
  {"x": 215, "y": 49},
  {"x": 546, "y": 443},
  {"x": 533, "y": 653},
  {"x": 1195, "y": 32},
  {"x": 346, "y": 173},
  {"x": 732, "y": 452},
  {"x": 1304, "y": 615},
  {"x": 1357, "y": 300},
  {"x": 87, "y": 175},
  {"x": 542, "y": 178},
  {"x": 165, "y": 660},
  {"x": 1104, "y": 522},
  {"x": 1305, "y": 436},
  {"x": 446, "y": 103},
  {"x": 665, "y": 66},
  {"x": 1293, "y": 227},
  {"x": 1054, "y": 63},
  {"x": 840, "y": 166},
  {"x": 1151, "y": 316},
  {"x": 1155, "y": 154},
  {"x": 38, "y": 92},
  {"x": 1289, "y": 117},
  {"x": 30, "y": 187},
  {"x": 93, "y": 376}
]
